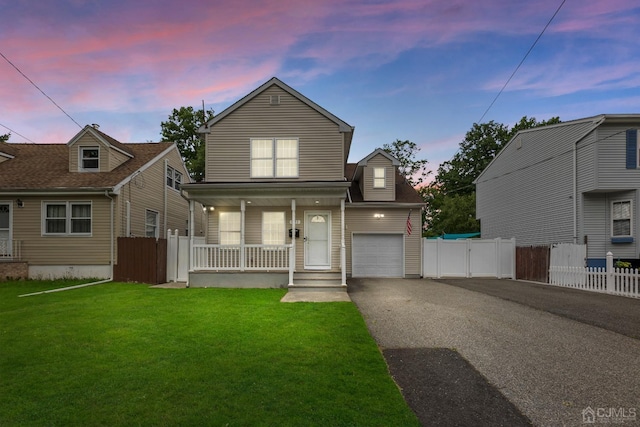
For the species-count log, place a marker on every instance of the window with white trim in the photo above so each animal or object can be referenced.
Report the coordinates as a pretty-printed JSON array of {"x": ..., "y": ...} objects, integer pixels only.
[
  {"x": 621, "y": 218},
  {"x": 90, "y": 158},
  {"x": 67, "y": 218},
  {"x": 379, "y": 177},
  {"x": 274, "y": 157},
  {"x": 151, "y": 223},
  {"x": 229, "y": 228},
  {"x": 174, "y": 178},
  {"x": 273, "y": 228}
]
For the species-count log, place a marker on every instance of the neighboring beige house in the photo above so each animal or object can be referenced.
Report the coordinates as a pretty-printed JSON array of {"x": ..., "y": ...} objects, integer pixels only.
[
  {"x": 63, "y": 206},
  {"x": 284, "y": 208}
]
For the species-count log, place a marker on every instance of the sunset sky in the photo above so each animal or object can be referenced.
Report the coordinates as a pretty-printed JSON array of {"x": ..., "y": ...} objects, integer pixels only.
[{"x": 422, "y": 70}]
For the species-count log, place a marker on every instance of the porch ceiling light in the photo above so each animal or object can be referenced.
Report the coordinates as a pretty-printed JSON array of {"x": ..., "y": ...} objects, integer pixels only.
[
  {"x": 317, "y": 202},
  {"x": 378, "y": 215},
  {"x": 211, "y": 208}
]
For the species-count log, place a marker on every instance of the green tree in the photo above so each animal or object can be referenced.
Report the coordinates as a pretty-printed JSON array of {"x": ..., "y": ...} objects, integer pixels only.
[
  {"x": 182, "y": 129},
  {"x": 5, "y": 137},
  {"x": 451, "y": 196},
  {"x": 415, "y": 170}
]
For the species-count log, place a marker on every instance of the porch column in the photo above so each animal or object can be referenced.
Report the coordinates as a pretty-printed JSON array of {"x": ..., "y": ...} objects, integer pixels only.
[
  {"x": 242, "y": 255},
  {"x": 292, "y": 254},
  {"x": 343, "y": 247}
]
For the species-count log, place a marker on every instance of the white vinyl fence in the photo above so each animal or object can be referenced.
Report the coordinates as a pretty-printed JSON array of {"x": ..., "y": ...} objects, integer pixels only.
[
  {"x": 178, "y": 256},
  {"x": 469, "y": 258},
  {"x": 610, "y": 280}
]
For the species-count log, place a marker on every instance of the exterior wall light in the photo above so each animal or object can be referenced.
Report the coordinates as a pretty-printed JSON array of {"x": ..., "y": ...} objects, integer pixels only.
[{"x": 378, "y": 216}]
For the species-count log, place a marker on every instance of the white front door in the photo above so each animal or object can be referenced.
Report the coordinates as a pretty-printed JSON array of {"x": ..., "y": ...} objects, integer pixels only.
[
  {"x": 6, "y": 245},
  {"x": 317, "y": 240}
]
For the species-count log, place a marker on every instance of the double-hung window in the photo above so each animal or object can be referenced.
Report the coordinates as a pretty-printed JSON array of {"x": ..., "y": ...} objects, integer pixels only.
[
  {"x": 274, "y": 158},
  {"x": 379, "y": 178},
  {"x": 151, "y": 223},
  {"x": 174, "y": 178},
  {"x": 67, "y": 218},
  {"x": 273, "y": 228},
  {"x": 621, "y": 218},
  {"x": 229, "y": 228},
  {"x": 90, "y": 158}
]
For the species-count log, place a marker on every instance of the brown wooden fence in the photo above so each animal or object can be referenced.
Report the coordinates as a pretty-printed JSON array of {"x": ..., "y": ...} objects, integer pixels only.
[
  {"x": 141, "y": 259},
  {"x": 532, "y": 263}
]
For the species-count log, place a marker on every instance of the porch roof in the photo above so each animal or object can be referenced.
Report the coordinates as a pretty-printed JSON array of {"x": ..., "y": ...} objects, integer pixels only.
[{"x": 314, "y": 193}]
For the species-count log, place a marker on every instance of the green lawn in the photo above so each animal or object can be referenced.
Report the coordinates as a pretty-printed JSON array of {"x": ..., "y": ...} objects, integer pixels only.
[{"x": 125, "y": 354}]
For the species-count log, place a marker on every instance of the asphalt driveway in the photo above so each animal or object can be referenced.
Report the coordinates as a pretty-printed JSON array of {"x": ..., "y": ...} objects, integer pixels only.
[{"x": 464, "y": 357}]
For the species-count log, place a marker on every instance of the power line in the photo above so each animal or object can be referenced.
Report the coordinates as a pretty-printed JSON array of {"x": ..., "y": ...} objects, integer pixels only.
[
  {"x": 13, "y": 131},
  {"x": 41, "y": 91},
  {"x": 521, "y": 62}
]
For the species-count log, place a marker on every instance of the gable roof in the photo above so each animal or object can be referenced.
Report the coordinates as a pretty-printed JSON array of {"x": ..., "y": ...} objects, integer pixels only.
[
  {"x": 45, "y": 167},
  {"x": 102, "y": 137},
  {"x": 405, "y": 193},
  {"x": 380, "y": 151},
  {"x": 593, "y": 123},
  {"x": 274, "y": 81}
]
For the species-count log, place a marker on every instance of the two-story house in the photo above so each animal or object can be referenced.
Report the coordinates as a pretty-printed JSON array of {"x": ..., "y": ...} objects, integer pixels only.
[
  {"x": 63, "y": 206},
  {"x": 573, "y": 182},
  {"x": 284, "y": 206}
]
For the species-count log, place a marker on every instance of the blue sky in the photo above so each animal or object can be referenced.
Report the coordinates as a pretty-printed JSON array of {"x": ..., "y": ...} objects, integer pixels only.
[{"x": 422, "y": 70}]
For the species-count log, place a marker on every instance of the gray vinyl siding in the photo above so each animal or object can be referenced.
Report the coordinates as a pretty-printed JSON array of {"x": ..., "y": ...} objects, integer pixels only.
[
  {"x": 597, "y": 224},
  {"x": 320, "y": 141},
  {"x": 527, "y": 191},
  {"x": 361, "y": 220},
  {"x": 611, "y": 150},
  {"x": 388, "y": 193},
  {"x": 63, "y": 250}
]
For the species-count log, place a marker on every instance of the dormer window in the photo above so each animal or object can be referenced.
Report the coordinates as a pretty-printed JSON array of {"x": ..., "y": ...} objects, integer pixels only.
[
  {"x": 90, "y": 158},
  {"x": 379, "y": 177}
]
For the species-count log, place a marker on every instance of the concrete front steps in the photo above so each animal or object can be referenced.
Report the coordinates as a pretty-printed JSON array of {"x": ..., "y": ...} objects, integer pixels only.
[{"x": 318, "y": 282}]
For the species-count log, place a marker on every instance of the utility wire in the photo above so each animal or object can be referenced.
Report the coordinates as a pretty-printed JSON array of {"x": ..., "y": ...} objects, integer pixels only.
[
  {"x": 13, "y": 131},
  {"x": 521, "y": 62},
  {"x": 41, "y": 91}
]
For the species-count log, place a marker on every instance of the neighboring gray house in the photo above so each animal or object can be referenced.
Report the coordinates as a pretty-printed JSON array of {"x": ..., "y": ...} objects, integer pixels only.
[
  {"x": 281, "y": 199},
  {"x": 574, "y": 182}
]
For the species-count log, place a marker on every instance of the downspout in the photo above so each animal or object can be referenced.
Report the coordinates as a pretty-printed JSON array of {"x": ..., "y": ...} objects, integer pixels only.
[
  {"x": 112, "y": 227},
  {"x": 575, "y": 193},
  {"x": 164, "y": 214}
]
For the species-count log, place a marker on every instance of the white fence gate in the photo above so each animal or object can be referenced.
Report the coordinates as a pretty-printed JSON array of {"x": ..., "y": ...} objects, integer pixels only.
[
  {"x": 469, "y": 258},
  {"x": 568, "y": 255},
  {"x": 178, "y": 256}
]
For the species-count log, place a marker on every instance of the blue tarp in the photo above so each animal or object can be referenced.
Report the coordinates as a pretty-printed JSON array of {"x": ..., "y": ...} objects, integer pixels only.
[{"x": 457, "y": 236}]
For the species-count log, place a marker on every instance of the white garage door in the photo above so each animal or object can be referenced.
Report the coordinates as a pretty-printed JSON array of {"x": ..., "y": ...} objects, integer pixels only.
[{"x": 377, "y": 255}]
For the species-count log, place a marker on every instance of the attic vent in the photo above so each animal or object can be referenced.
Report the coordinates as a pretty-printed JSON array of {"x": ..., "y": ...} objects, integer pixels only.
[{"x": 274, "y": 100}]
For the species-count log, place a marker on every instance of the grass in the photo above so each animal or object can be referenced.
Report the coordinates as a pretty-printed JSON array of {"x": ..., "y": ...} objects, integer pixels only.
[{"x": 125, "y": 354}]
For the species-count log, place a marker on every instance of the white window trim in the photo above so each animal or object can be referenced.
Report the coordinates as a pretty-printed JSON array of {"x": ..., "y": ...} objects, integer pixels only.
[
  {"x": 383, "y": 178},
  {"x": 171, "y": 174},
  {"x": 220, "y": 230},
  {"x": 284, "y": 228},
  {"x": 156, "y": 225},
  {"x": 81, "y": 159},
  {"x": 68, "y": 212},
  {"x": 274, "y": 158},
  {"x": 613, "y": 202}
]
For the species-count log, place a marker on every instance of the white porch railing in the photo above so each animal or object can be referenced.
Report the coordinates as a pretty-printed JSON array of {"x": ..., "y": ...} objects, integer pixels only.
[
  {"x": 610, "y": 280},
  {"x": 240, "y": 258},
  {"x": 10, "y": 250}
]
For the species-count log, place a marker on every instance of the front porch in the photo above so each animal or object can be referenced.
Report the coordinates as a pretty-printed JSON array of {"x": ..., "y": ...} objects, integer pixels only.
[{"x": 270, "y": 235}]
